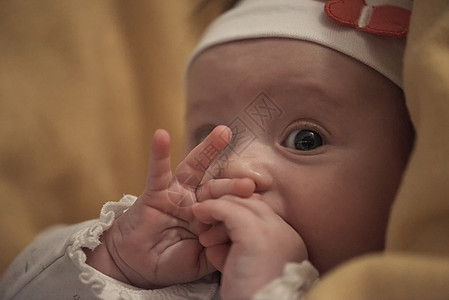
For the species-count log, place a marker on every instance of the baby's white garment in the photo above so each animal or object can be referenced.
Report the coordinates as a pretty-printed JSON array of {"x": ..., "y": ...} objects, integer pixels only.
[{"x": 53, "y": 267}]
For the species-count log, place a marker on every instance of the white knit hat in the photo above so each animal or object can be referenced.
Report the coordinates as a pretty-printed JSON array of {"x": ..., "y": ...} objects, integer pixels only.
[{"x": 307, "y": 20}]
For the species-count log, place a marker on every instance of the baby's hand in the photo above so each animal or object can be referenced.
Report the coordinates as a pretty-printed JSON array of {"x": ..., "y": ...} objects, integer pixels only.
[
  {"x": 248, "y": 242},
  {"x": 155, "y": 242}
]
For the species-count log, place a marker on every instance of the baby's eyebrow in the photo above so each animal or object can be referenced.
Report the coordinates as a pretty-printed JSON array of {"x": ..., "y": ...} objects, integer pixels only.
[{"x": 320, "y": 96}]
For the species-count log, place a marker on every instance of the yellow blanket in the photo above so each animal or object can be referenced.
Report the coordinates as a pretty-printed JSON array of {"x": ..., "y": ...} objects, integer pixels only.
[{"x": 83, "y": 85}]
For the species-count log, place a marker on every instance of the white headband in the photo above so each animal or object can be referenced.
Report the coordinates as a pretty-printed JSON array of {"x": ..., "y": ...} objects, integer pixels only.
[{"x": 307, "y": 20}]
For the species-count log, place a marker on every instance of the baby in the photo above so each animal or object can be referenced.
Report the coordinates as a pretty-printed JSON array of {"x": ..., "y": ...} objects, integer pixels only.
[{"x": 305, "y": 171}]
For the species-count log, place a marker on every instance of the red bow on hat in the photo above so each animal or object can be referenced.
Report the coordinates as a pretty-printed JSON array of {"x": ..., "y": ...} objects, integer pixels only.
[{"x": 371, "y": 15}]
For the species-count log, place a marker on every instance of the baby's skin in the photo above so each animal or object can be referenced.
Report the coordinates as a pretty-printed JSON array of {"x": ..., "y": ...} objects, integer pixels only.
[{"x": 185, "y": 226}]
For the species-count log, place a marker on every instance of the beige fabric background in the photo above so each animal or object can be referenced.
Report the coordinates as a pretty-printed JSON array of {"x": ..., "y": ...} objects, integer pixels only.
[{"x": 83, "y": 85}]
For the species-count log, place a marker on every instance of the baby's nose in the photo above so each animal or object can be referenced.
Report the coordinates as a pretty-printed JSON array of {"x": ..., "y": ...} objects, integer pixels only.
[{"x": 248, "y": 164}]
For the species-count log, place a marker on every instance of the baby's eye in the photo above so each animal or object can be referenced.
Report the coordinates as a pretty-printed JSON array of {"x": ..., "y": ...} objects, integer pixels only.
[{"x": 303, "y": 140}]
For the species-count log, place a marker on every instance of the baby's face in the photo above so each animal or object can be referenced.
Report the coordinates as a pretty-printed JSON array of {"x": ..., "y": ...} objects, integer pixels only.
[{"x": 324, "y": 137}]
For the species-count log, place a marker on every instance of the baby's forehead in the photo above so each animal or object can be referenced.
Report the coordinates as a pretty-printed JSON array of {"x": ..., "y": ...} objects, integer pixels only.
[
  {"x": 273, "y": 63},
  {"x": 287, "y": 75}
]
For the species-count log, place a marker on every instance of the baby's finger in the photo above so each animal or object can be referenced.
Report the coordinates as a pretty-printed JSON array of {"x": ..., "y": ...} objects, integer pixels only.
[
  {"x": 217, "y": 234},
  {"x": 234, "y": 212},
  {"x": 217, "y": 255},
  {"x": 191, "y": 170},
  {"x": 159, "y": 173},
  {"x": 215, "y": 188}
]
